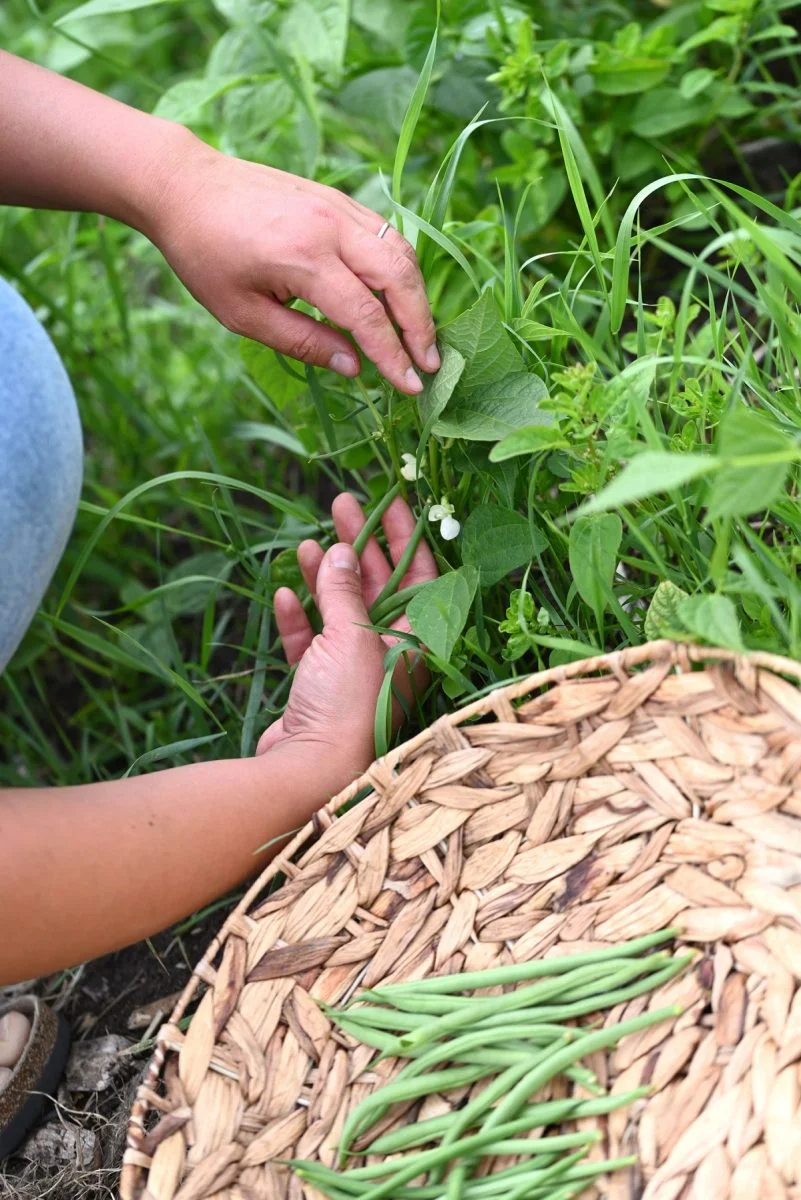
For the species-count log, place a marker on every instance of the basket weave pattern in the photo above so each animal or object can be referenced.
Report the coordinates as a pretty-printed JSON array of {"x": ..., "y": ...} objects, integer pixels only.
[{"x": 586, "y": 805}]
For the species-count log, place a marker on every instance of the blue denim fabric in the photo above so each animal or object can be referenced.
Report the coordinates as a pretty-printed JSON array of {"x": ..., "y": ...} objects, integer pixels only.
[{"x": 41, "y": 466}]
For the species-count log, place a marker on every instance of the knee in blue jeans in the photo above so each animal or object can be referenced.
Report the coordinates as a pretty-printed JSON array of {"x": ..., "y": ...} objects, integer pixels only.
[{"x": 41, "y": 466}]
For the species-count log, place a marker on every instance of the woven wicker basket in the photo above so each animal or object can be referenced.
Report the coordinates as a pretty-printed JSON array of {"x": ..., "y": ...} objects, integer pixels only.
[{"x": 587, "y": 804}]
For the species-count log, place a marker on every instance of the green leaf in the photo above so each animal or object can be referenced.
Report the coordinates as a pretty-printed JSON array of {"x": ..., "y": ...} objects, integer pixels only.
[
  {"x": 279, "y": 383},
  {"x": 480, "y": 337},
  {"x": 439, "y": 611},
  {"x": 724, "y": 29},
  {"x": 649, "y": 473},
  {"x": 593, "y": 554},
  {"x": 184, "y": 100},
  {"x": 531, "y": 439},
  {"x": 258, "y": 431},
  {"x": 489, "y": 413},
  {"x": 439, "y": 388},
  {"x": 713, "y": 619},
  {"x": 410, "y": 119},
  {"x": 171, "y": 752},
  {"x": 620, "y": 75},
  {"x": 317, "y": 30},
  {"x": 664, "y": 111},
  {"x": 695, "y": 82},
  {"x": 203, "y": 573},
  {"x": 662, "y": 618},
  {"x": 497, "y": 540},
  {"x": 740, "y": 491},
  {"x": 381, "y": 97},
  {"x": 97, "y": 8}
]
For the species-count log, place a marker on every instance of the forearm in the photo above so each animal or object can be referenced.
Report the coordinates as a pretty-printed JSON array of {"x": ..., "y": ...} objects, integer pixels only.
[
  {"x": 65, "y": 146},
  {"x": 86, "y": 870}
]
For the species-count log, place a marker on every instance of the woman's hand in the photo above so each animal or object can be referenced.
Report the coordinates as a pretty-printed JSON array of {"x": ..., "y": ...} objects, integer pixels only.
[
  {"x": 331, "y": 706},
  {"x": 245, "y": 239}
]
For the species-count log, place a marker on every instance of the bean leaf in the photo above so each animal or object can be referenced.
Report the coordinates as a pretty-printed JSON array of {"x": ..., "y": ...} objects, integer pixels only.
[
  {"x": 492, "y": 411},
  {"x": 531, "y": 439},
  {"x": 651, "y": 472},
  {"x": 481, "y": 339},
  {"x": 439, "y": 611},
  {"x": 185, "y": 100},
  {"x": 440, "y": 387},
  {"x": 740, "y": 491},
  {"x": 712, "y": 619},
  {"x": 497, "y": 540},
  {"x": 593, "y": 553}
]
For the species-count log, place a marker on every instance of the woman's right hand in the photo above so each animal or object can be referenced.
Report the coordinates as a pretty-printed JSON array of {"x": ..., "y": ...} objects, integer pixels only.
[{"x": 246, "y": 239}]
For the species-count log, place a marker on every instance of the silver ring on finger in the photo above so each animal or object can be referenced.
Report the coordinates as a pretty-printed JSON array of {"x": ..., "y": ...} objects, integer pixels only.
[{"x": 384, "y": 230}]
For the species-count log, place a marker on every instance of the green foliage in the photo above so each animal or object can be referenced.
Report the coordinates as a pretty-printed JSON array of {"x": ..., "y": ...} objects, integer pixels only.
[
  {"x": 439, "y": 611},
  {"x": 497, "y": 541},
  {"x": 614, "y": 267},
  {"x": 594, "y": 546}
]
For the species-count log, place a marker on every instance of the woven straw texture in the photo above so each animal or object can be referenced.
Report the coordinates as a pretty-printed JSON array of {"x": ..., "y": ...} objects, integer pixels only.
[{"x": 585, "y": 805}]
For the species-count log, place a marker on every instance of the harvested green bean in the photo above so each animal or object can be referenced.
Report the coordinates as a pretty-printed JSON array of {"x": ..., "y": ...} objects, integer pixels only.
[
  {"x": 600, "y": 1039},
  {"x": 405, "y": 1089},
  {"x": 513, "y": 1044},
  {"x": 510, "y": 1101},
  {"x": 373, "y": 1107},
  {"x": 581, "y": 1008},
  {"x": 518, "y": 972},
  {"x": 547, "y": 1112},
  {"x": 606, "y": 976},
  {"x": 558, "y": 1169},
  {"x": 417, "y": 1164},
  {"x": 497, "y": 1005}
]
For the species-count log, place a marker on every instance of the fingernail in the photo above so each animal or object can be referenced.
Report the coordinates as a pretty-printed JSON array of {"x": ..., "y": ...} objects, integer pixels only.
[
  {"x": 432, "y": 358},
  {"x": 344, "y": 558},
  {"x": 344, "y": 364},
  {"x": 413, "y": 381}
]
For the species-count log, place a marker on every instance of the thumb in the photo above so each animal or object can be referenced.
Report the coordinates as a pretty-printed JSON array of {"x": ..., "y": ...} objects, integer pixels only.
[{"x": 340, "y": 598}]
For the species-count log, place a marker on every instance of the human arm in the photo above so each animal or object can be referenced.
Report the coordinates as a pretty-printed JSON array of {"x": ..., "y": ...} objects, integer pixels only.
[
  {"x": 85, "y": 870},
  {"x": 243, "y": 237}
]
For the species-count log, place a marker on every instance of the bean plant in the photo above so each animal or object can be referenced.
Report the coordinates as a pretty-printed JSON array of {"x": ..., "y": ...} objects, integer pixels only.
[{"x": 604, "y": 202}]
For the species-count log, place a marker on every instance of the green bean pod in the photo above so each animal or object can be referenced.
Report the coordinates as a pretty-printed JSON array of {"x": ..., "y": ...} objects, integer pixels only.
[
  {"x": 518, "y": 972},
  {"x": 546, "y": 1112}
]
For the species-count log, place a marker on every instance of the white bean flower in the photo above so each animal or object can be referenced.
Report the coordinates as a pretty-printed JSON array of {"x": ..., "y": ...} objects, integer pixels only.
[
  {"x": 443, "y": 512},
  {"x": 409, "y": 468}
]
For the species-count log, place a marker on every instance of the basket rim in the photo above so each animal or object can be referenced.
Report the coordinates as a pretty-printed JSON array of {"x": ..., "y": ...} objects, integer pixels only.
[{"x": 680, "y": 655}]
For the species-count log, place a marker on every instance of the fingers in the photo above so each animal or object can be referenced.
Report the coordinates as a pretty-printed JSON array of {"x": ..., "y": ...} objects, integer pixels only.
[
  {"x": 399, "y": 525},
  {"x": 339, "y": 591},
  {"x": 349, "y": 303},
  {"x": 310, "y": 555},
  {"x": 294, "y": 627},
  {"x": 349, "y": 520},
  {"x": 389, "y": 265},
  {"x": 299, "y": 336}
]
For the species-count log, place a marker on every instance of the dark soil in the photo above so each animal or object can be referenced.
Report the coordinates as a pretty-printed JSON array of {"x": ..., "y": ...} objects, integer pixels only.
[{"x": 111, "y": 988}]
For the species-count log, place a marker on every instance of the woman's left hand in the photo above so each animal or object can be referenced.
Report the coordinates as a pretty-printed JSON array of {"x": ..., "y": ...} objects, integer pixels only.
[{"x": 332, "y": 703}]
